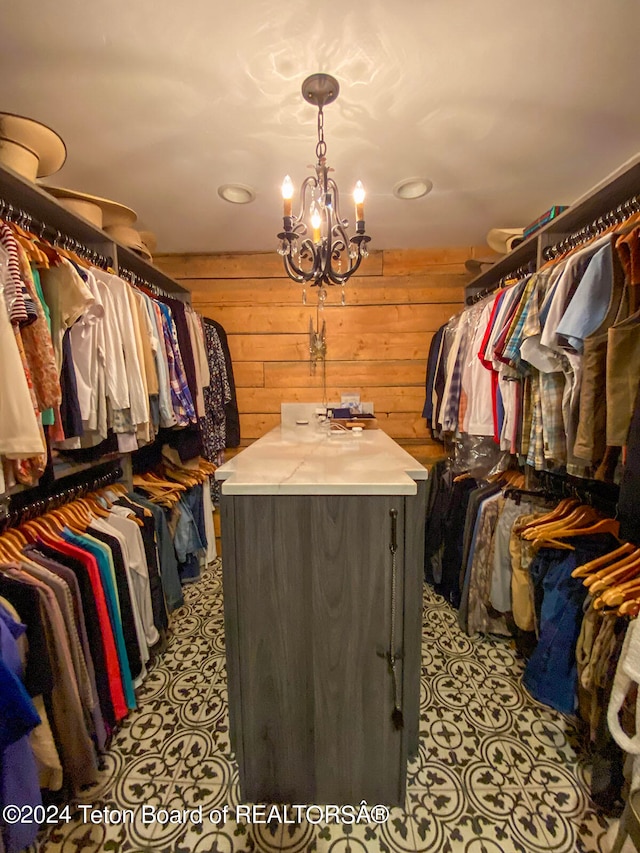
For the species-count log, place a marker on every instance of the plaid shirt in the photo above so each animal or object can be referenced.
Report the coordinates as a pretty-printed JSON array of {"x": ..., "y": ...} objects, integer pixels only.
[
  {"x": 553, "y": 432},
  {"x": 180, "y": 395},
  {"x": 535, "y": 456},
  {"x": 527, "y": 416},
  {"x": 511, "y": 351}
]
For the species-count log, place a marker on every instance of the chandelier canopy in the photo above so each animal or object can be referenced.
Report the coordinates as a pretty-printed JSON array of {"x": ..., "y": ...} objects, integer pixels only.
[{"x": 314, "y": 244}]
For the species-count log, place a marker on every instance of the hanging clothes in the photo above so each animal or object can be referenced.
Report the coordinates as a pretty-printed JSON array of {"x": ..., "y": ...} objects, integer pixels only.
[
  {"x": 561, "y": 348},
  {"x": 232, "y": 418},
  {"x": 19, "y": 783}
]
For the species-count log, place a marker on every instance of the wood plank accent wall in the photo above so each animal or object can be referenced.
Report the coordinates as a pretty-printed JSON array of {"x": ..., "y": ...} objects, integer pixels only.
[{"x": 377, "y": 344}]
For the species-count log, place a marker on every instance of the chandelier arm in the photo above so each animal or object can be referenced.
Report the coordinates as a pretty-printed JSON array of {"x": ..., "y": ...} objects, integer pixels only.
[
  {"x": 309, "y": 181},
  {"x": 340, "y": 245},
  {"x": 341, "y": 233},
  {"x": 341, "y": 278},
  {"x": 292, "y": 271},
  {"x": 327, "y": 267},
  {"x": 299, "y": 274},
  {"x": 336, "y": 202}
]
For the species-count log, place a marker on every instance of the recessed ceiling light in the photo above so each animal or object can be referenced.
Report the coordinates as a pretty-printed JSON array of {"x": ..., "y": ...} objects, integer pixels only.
[
  {"x": 236, "y": 193},
  {"x": 412, "y": 188}
]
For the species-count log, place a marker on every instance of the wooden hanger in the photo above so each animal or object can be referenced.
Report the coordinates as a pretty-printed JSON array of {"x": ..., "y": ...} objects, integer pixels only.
[
  {"x": 550, "y": 542},
  {"x": 580, "y": 513},
  {"x": 145, "y": 509},
  {"x": 10, "y": 550},
  {"x": 33, "y": 253},
  {"x": 561, "y": 510},
  {"x": 614, "y": 569},
  {"x": 188, "y": 479},
  {"x": 158, "y": 488},
  {"x": 207, "y": 467},
  {"x": 115, "y": 488},
  {"x": 602, "y": 525},
  {"x": 604, "y": 561},
  {"x": 93, "y": 506},
  {"x": 616, "y": 578},
  {"x": 43, "y": 525},
  {"x": 15, "y": 534},
  {"x": 614, "y": 596},
  {"x": 630, "y": 608},
  {"x": 71, "y": 518}
]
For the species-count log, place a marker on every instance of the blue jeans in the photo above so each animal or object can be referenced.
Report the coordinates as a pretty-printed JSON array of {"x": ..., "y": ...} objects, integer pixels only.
[{"x": 551, "y": 673}]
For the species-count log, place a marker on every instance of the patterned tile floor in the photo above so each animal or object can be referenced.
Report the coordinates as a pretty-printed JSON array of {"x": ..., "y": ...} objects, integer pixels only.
[{"x": 496, "y": 772}]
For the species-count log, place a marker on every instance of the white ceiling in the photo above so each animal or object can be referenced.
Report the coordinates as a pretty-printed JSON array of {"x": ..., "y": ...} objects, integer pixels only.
[{"x": 507, "y": 106}]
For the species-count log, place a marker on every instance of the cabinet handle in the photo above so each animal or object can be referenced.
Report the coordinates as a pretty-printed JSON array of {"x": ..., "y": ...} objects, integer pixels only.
[
  {"x": 393, "y": 545},
  {"x": 396, "y": 715}
]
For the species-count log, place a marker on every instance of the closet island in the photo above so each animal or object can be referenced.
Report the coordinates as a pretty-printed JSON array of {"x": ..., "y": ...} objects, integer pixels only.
[{"x": 323, "y": 555}]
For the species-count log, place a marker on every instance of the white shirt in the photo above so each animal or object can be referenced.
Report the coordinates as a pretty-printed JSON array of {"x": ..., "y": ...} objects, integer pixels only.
[
  {"x": 87, "y": 347},
  {"x": 477, "y": 382},
  {"x": 139, "y": 402},
  {"x": 117, "y": 385},
  {"x": 138, "y": 565}
]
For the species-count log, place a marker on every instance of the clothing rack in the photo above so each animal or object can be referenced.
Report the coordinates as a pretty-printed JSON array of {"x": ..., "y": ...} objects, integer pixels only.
[
  {"x": 25, "y": 220},
  {"x": 610, "y": 219},
  {"x": 27, "y": 505},
  {"x": 516, "y": 275},
  {"x": 617, "y": 193},
  {"x": 139, "y": 281},
  {"x": 602, "y": 496},
  {"x": 615, "y": 216}
]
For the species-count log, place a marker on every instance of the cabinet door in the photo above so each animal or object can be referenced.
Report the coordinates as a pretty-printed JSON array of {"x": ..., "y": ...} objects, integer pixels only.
[
  {"x": 359, "y": 754},
  {"x": 313, "y": 598},
  {"x": 270, "y": 670}
]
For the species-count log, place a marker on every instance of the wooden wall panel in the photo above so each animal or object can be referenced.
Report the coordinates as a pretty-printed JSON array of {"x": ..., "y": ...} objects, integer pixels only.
[
  {"x": 377, "y": 344},
  {"x": 374, "y": 290},
  {"x": 241, "y": 265},
  {"x": 349, "y": 375},
  {"x": 367, "y": 346},
  {"x": 348, "y": 319}
]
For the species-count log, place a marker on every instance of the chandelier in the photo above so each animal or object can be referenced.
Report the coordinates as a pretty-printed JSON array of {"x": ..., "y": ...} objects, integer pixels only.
[{"x": 314, "y": 244}]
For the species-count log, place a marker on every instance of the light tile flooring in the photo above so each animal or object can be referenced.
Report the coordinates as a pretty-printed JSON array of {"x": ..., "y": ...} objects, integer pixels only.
[{"x": 496, "y": 772}]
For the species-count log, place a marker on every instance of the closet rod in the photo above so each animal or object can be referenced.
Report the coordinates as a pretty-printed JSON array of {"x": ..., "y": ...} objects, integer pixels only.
[
  {"x": 19, "y": 217},
  {"x": 615, "y": 216},
  {"x": 140, "y": 281},
  {"x": 42, "y": 499},
  {"x": 515, "y": 275},
  {"x": 597, "y": 493}
]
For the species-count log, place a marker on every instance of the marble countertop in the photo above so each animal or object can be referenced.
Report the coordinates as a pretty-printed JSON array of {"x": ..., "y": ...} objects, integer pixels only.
[{"x": 302, "y": 460}]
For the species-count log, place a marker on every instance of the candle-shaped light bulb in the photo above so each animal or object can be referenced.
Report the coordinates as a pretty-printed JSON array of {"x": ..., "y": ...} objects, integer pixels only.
[
  {"x": 358, "y": 197},
  {"x": 287, "y": 195},
  {"x": 316, "y": 221}
]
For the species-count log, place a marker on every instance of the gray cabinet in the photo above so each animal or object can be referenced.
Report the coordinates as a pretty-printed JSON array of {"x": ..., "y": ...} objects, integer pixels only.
[{"x": 307, "y": 585}]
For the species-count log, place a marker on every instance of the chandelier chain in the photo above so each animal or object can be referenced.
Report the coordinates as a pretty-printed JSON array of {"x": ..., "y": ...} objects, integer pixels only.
[{"x": 321, "y": 147}]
